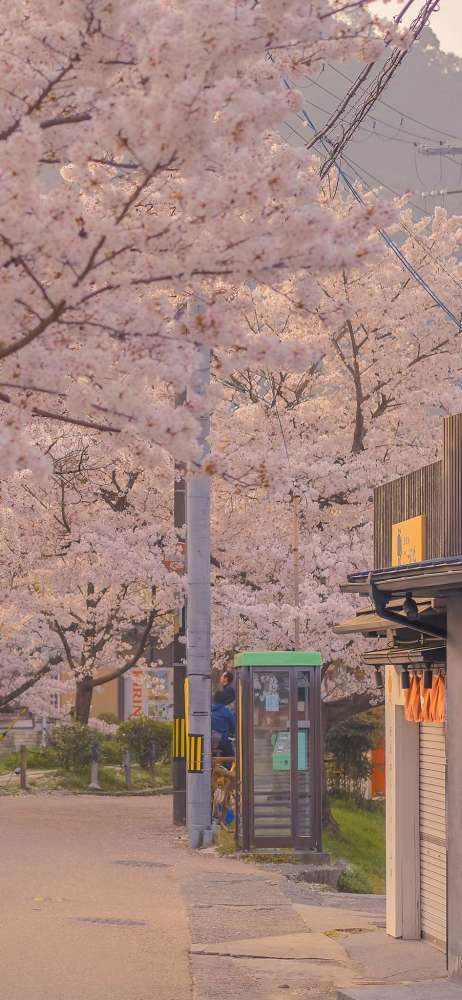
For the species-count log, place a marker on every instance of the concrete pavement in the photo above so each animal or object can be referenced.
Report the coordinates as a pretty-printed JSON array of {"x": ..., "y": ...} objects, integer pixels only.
[
  {"x": 89, "y": 906},
  {"x": 101, "y": 899}
]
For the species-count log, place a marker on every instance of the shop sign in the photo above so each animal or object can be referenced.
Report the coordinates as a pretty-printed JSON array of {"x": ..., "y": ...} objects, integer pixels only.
[{"x": 408, "y": 541}]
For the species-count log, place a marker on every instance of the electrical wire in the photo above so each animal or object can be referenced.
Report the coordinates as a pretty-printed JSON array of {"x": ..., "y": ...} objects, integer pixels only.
[
  {"x": 338, "y": 97},
  {"x": 383, "y": 234},
  {"x": 398, "y": 194},
  {"x": 358, "y": 169},
  {"x": 362, "y": 105},
  {"x": 436, "y": 260},
  {"x": 372, "y": 131},
  {"x": 404, "y": 115}
]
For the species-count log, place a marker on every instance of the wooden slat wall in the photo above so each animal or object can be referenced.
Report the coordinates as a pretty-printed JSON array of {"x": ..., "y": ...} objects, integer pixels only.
[
  {"x": 433, "y": 839},
  {"x": 452, "y": 486},
  {"x": 419, "y": 492}
]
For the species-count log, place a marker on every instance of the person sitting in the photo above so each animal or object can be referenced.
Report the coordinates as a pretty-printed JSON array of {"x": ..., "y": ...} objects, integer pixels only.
[
  {"x": 223, "y": 726},
  {"x": 227, "y": 686}
]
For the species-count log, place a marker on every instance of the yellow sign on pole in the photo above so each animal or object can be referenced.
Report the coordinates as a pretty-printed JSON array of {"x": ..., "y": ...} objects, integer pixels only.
[{"x": 408, "y": 541}]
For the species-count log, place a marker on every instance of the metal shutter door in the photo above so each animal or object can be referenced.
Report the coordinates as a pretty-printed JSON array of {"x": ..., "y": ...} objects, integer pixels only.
[{"x": 433, "y": 844}]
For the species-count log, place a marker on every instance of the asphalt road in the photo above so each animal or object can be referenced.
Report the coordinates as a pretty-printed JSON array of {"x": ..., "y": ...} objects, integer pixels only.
[{"x": 89, "y": 906}]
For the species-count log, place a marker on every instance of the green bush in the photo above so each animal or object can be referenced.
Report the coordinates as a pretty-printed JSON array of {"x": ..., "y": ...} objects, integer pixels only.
[
  {"x": 42, "y": 758},
  {"x": 109, "y": 717},
  {"x": 139, "y": 735},
  {"x": 110, "y": 750},
  {"x": 354, "y": 879},
  {"x": 73, "y": 745},
  {"x": 347, "y": 763}
]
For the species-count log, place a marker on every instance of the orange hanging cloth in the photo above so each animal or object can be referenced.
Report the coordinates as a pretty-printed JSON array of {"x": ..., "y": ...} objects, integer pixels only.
[
  {"x": 427, "y": 700},
  {"x": 412, "y": 704},
  {"x": 440, "y": 702}
]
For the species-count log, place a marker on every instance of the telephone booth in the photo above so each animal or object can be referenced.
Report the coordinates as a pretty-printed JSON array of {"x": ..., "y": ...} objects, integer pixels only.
[{"x": 278, "y": 750}]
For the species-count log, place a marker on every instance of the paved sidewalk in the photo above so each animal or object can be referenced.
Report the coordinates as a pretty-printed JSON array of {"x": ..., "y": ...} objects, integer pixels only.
[
  {"x": 417, "y": 991},
  {"x": 90, "y": 909},
  {"x": 259, "y": 936},
  {"x": 102, "y": 899}
]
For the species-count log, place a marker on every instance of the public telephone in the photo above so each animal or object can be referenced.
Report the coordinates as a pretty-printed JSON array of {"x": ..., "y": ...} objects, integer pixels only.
[{"x": 281, "y": 750}]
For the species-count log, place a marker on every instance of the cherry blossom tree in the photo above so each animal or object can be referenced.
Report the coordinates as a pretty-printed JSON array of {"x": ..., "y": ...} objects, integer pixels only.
[
  {"x": 85, "y": 559},
  {"x": 368, "y": 410},
  {"x": 141, "y": 167}
]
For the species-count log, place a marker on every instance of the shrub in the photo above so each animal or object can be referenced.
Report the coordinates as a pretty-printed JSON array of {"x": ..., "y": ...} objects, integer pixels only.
[
  {"x": 73, "y": 745},
  {"x": 354, "y": 879},
  {"x": 110, "y": 750},
  {"x": 139, "y": 735},
  {"x": 109, "y": 718},
  {"x": 347, "y": 765},
  {"x": 42, "y": 757}
]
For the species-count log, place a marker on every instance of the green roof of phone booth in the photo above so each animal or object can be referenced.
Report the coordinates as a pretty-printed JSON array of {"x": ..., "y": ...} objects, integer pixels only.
[{"x": 278, "y": 658}]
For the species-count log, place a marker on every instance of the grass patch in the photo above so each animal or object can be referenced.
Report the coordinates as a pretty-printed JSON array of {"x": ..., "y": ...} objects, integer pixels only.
[
  {"x": 362, "y": 845},
  {"x": 42, "y": 758},
  {"x": 284, "y": 856},
  {"x": 111, "y": 779}
]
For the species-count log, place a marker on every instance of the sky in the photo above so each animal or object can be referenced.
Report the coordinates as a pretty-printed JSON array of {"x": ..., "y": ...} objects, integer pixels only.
[{"x": 446, "y": 23}]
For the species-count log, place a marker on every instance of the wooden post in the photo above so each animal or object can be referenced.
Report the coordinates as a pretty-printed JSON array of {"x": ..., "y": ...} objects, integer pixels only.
[
  {"x": 454, "y": 783},
  {"x": 127, "y": 768},
  {"x": 402, "y": 814},
  {"x": 23, "y": 767}
]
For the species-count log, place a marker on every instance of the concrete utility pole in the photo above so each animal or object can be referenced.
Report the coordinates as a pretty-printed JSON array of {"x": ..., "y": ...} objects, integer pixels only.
[
  {"x": 296, "y": 551},
  {"x": 179, "y": 651},
  {"x": 199, "y": 792}
]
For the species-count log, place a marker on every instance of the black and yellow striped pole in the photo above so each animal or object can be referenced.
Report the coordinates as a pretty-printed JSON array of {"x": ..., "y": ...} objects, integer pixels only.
[
  {"x": 195, "y": 753},
  {"x": 179, "y": 737}
]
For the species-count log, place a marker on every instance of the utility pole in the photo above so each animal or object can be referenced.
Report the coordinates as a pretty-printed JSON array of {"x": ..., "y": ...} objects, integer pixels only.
[
  {"x": 199, "y": 791},
  {"x": 179, "y": 660},
  {"x": 296, "y": 554}
]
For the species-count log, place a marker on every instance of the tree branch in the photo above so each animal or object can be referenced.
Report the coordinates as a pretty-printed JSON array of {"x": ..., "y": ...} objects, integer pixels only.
[
  {"x": 6, "y": 699},
  {"x": 67, "y": 649},
  {"x": 27, "y": 338},
  {"x": 120, "y": 671}
]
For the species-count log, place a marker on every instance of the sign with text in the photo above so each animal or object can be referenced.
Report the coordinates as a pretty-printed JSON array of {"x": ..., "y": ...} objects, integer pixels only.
[
  {"x": 408, "y": 541},
  {"x": 137, "y": 692}
]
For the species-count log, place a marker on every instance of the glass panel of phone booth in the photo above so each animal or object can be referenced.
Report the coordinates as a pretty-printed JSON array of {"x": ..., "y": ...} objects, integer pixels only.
[
  {"x": 272, "y": 814},
  {"x": 303, "y": 791}
]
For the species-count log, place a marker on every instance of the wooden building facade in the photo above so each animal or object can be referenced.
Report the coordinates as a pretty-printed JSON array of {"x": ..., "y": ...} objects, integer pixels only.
[{"x": 415, "y": 592}]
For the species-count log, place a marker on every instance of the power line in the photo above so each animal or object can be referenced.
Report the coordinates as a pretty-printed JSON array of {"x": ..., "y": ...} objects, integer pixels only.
[
  {"x": 384, "y": 235},
  {"x": 358, "y": 169},
  {"x": 413, "y": 236},
  {"x": 398, "y": 194},
  {"x": 400, "y": 127},
  {"x": 404, "y": 115},
  {"x": 362, "y": 105},
  {"x": 372, "y": 131}
]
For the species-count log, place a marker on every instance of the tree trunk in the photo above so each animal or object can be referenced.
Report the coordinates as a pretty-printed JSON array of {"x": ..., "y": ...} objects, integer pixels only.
[{"x": 83, "y": 696}]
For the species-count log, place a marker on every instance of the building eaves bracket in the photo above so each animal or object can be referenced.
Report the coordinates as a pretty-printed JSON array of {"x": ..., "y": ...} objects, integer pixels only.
[{"x": 380, "y": 599}]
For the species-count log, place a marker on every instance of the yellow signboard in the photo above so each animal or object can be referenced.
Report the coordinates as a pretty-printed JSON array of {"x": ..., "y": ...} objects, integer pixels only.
[{"x": 408, "y": 541}]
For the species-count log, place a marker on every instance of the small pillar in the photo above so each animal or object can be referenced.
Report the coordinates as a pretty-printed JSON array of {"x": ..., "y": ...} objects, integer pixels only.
[{"x": 402, "y": 814}]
